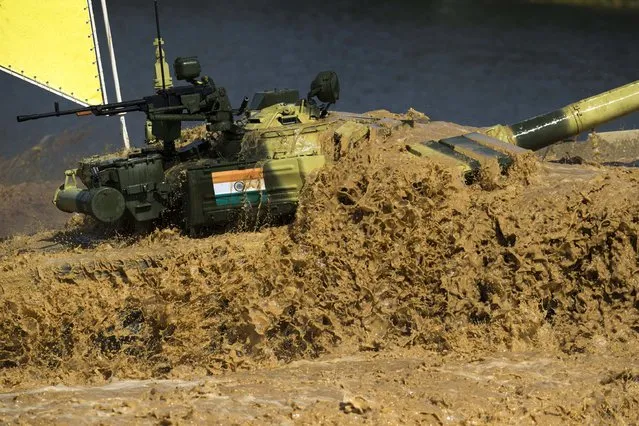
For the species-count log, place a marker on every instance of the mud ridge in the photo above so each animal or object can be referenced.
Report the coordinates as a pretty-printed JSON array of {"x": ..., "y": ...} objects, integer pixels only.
[{"x": 388, "y": 251}]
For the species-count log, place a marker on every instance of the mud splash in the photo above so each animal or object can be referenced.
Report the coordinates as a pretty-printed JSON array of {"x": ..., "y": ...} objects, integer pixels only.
[{"x": 388, "y": 252}]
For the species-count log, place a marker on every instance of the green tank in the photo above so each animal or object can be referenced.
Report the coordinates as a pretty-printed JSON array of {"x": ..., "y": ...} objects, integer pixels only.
[
  {"x": 253, "y": 161},
  {"x": 255, "y": 158}
]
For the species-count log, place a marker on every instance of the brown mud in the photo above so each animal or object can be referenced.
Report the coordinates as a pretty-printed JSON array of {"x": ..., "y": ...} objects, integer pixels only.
[
  {"x": 398, "y": 294},
  {"x": 398, "y": 388}
]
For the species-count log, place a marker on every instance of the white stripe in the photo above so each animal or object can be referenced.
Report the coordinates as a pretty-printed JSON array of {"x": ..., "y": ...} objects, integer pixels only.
[
  {"x": 114, "y": 68},
  {"x": 225, "y": 188}
]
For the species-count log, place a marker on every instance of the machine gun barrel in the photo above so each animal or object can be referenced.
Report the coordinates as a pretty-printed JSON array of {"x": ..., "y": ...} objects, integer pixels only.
[
  {"x": 546, "y": 129},
  {"x": 105, "y": 109}
]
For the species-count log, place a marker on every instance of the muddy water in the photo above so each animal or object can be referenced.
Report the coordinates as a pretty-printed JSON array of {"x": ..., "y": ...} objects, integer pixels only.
[
  {"x": 390, "y": 256},
  {"x": 409, "y": 387}
]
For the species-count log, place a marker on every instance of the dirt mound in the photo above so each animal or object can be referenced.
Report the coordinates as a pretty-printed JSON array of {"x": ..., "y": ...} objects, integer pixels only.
[
  {"x": 614, "y": 148},
  {"x": 27, "y": 208},
  {"x": 29, "y": 180},
  {"x": 48, "y": 159},
  {"x": 387, "y": 251}
]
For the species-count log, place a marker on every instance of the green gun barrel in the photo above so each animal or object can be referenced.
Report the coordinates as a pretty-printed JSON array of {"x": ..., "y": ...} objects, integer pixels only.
[
  {"x": 106, "y": 204},
  {"x": 546, "y": 129}
]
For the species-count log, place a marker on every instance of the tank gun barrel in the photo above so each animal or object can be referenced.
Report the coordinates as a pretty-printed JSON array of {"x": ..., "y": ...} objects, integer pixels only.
[{"x": 546, "y": 129}]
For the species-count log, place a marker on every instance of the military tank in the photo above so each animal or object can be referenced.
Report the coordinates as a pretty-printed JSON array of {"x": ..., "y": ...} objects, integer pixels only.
[
  {"x": 254, "y": 158},
  {"x": 253, "y": 161}
]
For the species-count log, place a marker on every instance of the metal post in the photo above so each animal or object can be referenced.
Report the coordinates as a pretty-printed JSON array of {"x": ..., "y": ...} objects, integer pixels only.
[{"x": 116, "y": 79}]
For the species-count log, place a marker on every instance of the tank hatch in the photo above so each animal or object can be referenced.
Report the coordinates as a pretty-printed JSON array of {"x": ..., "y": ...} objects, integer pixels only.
[{"x": 271, "y": 97}]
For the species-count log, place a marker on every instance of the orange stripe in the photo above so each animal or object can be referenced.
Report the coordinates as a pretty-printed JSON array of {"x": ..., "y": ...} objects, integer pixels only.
[{"x": 237, "y": 175}]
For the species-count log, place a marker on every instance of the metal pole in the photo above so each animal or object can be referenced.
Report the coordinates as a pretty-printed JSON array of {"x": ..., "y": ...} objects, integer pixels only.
[{"x": 116, "y": 79}]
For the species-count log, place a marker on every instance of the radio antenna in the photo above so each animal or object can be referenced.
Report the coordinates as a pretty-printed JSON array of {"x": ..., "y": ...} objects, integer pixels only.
[{"x": 160, "y": 43}]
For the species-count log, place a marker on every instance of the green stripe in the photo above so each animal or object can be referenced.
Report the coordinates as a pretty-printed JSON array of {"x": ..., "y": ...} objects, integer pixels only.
[{"x": 253, "y": 197}]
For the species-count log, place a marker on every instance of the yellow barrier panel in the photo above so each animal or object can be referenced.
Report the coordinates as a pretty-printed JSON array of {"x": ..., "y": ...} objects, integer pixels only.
[{"x": 52, "y": 44}]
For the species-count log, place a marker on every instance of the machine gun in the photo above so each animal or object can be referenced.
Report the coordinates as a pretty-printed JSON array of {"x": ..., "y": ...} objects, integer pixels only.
[{"x": 169, "y": 107}]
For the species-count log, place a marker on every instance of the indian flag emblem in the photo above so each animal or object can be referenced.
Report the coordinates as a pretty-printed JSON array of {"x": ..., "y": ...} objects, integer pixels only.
[{"x": 235, "y": 187}]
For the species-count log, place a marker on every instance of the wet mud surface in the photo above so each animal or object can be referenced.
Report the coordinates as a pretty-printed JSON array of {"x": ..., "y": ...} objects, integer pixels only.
[
  {"x": 405, "y": 387},
  {"x": 398, "y": 294}
]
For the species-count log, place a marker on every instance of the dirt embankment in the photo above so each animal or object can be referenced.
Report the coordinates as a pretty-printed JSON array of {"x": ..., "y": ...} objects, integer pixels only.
[
  {"x": 388, "y": 253},
  {"x": 27, "y": 208},
  {"x": 615, "y": 4},
  {"x": 29, "y": 180}
]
